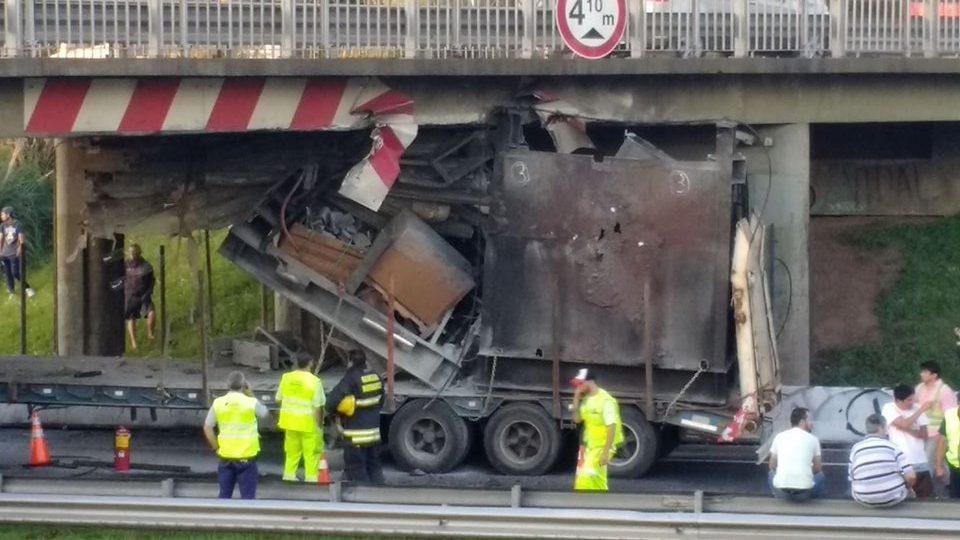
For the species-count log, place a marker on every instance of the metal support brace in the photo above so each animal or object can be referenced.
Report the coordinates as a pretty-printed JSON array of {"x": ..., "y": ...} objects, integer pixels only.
[
  {"x": 638, "y": 29},
  {"x": 324, "y": 29},
  {"x": 167, "y": 488},
  {"x": 931, "y": 28},
  {"x": 13, "y": 27},
  {"x": 516, "y": 494},
  {"x": 287, "y": 28},
  {"x": 29, "y": 28},
  {"x": 529, "y": 28},
  {"x": 693, "y": 42},
  {"x": 838, "y": 28},
  {"x": 741, "y": 38},
  {"x": 184, "y": 27},
  {"x": 154, "y": 27},
  {"x": 412, "y": 13},
  {"x": 336, "y": 491}
]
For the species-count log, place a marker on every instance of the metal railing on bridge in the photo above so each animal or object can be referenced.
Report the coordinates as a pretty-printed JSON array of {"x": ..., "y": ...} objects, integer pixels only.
[{"x": 469, "y": 28}]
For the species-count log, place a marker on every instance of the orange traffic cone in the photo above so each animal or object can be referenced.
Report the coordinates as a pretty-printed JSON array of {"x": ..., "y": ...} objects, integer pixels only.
[
  {"x": 323, "y": 478},
  {"x": 39, "y": 452}
]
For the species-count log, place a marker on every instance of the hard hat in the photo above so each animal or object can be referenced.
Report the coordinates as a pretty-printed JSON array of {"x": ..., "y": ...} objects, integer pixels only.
[{"x": 347, "y": 406}]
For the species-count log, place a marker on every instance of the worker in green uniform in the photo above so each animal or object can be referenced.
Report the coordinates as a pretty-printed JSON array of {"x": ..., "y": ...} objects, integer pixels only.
[
  {"x": 599, "y": 413},
  {"x": 301, "y": 400}
]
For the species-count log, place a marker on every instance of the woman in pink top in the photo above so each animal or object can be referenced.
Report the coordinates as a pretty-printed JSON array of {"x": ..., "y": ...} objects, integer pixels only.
[{"x": 940, "y": 397}]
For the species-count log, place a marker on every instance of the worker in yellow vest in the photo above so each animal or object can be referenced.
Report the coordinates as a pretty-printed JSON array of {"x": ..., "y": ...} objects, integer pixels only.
[
  {"x": 599, "y": 413},
  {"x": 236, "y": 416},
  {"x": 948, "y": 450},
  {"x": 301, "y": 400}
]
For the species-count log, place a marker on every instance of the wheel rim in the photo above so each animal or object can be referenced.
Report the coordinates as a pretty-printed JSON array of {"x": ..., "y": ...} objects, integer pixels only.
[
  {"x": 521, "y": 441},
  {"x": 427, "y": 436},
  {"x": 629, "y": 450}
]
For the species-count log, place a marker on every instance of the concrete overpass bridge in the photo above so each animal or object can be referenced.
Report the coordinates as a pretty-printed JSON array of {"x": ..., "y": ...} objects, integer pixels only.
[{"x": 170, "y": 93}]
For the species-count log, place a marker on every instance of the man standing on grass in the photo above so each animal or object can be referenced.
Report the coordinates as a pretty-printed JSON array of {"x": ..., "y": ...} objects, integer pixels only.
[
  {"x": 12, "y": 241},
  {"x": 940, "y": 397},
  {"x": 138, "y": 294},
  {"x": 907, "y": 429}
]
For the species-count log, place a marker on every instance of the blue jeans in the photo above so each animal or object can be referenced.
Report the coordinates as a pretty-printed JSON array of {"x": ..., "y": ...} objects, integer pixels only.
[
  {"x": 798, "y": 495},
  {"x": 232, "y": 473},
  {"x": 11, "y": 269}
]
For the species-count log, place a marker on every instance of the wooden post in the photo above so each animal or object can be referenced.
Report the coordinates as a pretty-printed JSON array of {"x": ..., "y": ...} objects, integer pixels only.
[
  {"x": 206, "y": 246},
  {"x": 390, "y": 347},
  {"x": 163, "y": 303},
  {"x": 23, "y": 301}
]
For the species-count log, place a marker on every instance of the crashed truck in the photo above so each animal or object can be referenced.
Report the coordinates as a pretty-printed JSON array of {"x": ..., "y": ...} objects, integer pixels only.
[{"x": 500, "y": 258}]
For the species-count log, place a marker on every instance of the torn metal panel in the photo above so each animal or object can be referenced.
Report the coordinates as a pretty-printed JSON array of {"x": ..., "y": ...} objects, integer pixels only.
[
  {"x": 418, "y": 267},
  {"x": 249, "y": 247},
  {"x": 602, "y": 229},
  {"x": 563, "y": 122}
]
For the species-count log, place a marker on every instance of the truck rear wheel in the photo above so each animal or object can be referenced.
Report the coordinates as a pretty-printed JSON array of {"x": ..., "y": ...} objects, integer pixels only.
[
  {"x": 428, "y": 436},
  {"x": 522, "y": 439},
  {"x": 640, "y": 446}
]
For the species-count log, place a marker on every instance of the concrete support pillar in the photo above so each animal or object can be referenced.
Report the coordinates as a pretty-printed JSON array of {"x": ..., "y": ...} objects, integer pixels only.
[
  {"x": 787, "y": 207},
  {"x": 68, "y": 203},
  {"x": 287, "y": 316}
]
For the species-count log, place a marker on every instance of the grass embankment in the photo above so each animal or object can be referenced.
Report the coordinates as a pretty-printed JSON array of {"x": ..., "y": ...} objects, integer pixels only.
[
  {"x": 917, "y": 315},
  {"x": 26, "y": 532},
  {"x": 236, "y": 303}
]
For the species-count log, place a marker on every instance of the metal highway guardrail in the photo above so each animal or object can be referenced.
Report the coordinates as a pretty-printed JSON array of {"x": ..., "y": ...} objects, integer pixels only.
[
  {"x": 457, "y": 29},
  {"x": 451, "y": 521}
]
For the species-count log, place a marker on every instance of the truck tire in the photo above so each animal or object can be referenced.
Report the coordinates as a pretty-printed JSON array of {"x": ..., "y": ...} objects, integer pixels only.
[
  {"x": 430, "y": 438},
  {"x": 522, "y": 439},
  {"x": 640, "y": 446}
]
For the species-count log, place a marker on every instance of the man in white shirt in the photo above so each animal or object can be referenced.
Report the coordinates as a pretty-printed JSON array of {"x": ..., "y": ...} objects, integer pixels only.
[
  {"x": 796, "y": 468},
  {"x": 907, "y": 429}
]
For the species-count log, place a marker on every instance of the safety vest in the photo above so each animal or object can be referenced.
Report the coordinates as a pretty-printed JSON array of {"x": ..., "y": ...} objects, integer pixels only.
[
  {"x": 594, "y": 429},
  {"x": 297, "y": 392},
  {"x": 363, "y": 428},
  {"x": 952, "y": 427},
  {"x": 236, "y": 416},
  {"x": 935, "y": 413}
]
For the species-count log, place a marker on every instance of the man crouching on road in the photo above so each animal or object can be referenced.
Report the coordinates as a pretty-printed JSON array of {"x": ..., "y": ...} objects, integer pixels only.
[
  {"x": 599, "y": 413},
  {"x": 796, "y": 468},
  {"x": 880, "y": 473},
  {"x": 236, "y": 415}
]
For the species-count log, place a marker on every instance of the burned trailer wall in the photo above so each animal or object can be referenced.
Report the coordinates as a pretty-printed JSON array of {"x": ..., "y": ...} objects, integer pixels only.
[
  {"x": 178, "y": 184},
  {"x": 574, "y": 241}
]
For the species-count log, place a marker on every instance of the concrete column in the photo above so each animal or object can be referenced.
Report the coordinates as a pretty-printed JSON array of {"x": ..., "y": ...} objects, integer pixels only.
[
  {"x": 287, "y": 316},
  {"x": 69, "y": 204},
  {"x": 788, "y": 208}
]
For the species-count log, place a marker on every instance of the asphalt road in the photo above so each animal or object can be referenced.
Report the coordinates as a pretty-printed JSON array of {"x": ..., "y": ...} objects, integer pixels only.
[{"x": 714, "y": 469}]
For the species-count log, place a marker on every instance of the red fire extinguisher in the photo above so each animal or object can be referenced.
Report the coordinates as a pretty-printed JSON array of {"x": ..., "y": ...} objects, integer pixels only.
[{"x": 121, "y": 450}]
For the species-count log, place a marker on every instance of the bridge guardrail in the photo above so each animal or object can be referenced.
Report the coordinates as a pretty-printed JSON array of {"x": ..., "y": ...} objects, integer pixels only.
[{"x": 469, "y": 28}]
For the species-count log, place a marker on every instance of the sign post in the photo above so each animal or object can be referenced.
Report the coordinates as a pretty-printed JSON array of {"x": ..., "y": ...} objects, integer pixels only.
[{"x": 592, "y": 28}]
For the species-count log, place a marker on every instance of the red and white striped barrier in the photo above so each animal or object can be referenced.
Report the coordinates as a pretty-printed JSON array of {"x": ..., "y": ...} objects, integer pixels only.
[{"x": 64, "y": 107}]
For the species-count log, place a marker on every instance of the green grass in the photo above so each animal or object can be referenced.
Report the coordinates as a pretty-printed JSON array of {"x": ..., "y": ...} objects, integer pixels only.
[
  {"x": 236, "y": 303},
  {"x": 917, "y": 314},
  {"x": 28, "y": 532}
]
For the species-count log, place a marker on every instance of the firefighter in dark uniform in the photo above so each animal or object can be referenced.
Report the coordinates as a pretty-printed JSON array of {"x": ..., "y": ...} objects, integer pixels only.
[{"x": 357, "y": 398}]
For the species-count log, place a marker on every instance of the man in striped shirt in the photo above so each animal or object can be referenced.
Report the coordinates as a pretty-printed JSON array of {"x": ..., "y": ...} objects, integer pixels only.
[{"x": 879, "y": 473}]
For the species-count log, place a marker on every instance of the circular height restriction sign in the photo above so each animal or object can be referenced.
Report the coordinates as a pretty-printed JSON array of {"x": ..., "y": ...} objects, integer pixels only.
[{"x": 592, "y": 28}]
